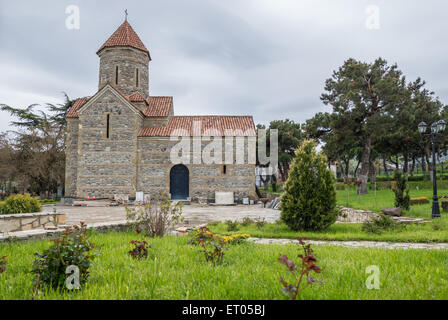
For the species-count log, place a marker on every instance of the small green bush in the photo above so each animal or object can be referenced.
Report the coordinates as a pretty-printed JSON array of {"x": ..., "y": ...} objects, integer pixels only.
[
  {"x": 260, "y": 223},
  {"x": 381, "y": 224},
  {"x": 401, "y": 190},
  {"x": 232, "y": 225},
  {"x": 246, "y": 221},
  {"x": 309, "y": 200},
  {"x": 73, "y": 248},
  {"x": 20, "y": 203}
]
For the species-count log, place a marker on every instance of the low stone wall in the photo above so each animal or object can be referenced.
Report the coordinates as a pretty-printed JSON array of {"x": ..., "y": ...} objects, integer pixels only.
[
  {"x": 117, "y": 226},
  {"x": 30, "y": 221}
]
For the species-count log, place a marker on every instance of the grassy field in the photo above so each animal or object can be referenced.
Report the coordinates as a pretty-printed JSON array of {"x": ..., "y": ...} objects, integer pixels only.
[
  {"x": 177, "y": 270},
  {"x": 384, "y": 198},
  {"x": 434, "y": 231}
]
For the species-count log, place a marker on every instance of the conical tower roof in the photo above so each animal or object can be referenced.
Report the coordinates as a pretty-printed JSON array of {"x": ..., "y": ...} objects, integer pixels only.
[{"x": 125, "y": 36}]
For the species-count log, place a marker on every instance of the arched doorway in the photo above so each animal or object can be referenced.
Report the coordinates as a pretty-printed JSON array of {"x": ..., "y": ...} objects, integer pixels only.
[{"x": 179, "y": 182}]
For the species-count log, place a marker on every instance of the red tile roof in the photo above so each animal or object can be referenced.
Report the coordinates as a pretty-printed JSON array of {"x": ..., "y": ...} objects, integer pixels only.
[
  {"x": 79, "y": 103},
  {"x": 203, "y": 126},
  {"x": 136, "y": 97},
  {"x": 73, "y": 112},
  {"x": 125, "y": 36},
  {"x": 158, "y": 106}
]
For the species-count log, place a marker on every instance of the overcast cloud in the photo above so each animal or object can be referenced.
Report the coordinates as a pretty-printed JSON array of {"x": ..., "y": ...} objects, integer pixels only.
[{"x": 266, "y": 58}]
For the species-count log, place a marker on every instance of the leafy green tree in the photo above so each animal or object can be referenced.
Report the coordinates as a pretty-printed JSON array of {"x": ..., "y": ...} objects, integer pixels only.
[
  {"x": 360, "y": 93},
  {"x": 309, "y": 198},
  {"x": 289, "y": 137},
  {"x": 39, "y": 146}
]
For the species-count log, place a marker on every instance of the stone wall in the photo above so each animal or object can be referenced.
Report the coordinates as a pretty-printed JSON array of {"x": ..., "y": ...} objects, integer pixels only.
[
  {"x": 107, "y": 165},
  {"x": 154, "y": 165},
  {"x": 128, "y": 60},
  {"x": 30, "y": 221},
  {"x": 71, "y": 157}
]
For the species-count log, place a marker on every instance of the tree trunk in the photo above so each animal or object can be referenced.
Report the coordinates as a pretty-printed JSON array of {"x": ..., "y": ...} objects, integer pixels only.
[
  {"x": 356, "y": 169},
  {"x": 423, "y": 166},
  {"x": 372, "y": 172},
  {"x": 385, "y": 168},
  {"x": 365, "y": 165},
  {"x": 347, "y": 168},
  {"x": 406, "y": 166},
  {"x": 412, "y": 166}
]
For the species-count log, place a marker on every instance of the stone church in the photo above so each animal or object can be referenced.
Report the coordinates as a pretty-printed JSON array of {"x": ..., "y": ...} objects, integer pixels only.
[{"x": 120, "y": 140}]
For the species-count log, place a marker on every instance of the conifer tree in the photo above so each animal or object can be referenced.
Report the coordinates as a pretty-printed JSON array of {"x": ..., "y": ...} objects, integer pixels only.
[{"x": 309, "y": 199}]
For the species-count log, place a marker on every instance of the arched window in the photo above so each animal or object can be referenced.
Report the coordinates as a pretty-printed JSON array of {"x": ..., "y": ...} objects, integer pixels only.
[
  {"x": 116, "y": 74},
  {"x": 136, "y": 78}
]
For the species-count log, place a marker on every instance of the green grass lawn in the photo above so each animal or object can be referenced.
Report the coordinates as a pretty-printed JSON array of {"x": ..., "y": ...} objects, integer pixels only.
[
  {"x": 434, "y": 231},
  {"x": 429, "y": 232},
  {"x": 177, "y": 270},
  {"x": 385, "y": 199}
]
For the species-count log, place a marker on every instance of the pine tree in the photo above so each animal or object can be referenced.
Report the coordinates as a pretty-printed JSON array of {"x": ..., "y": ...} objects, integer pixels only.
[{"x": 309, "y": 199}]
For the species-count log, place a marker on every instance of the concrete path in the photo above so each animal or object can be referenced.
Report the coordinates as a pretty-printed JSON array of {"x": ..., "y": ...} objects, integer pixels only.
[{"x": 358, "y": 244}]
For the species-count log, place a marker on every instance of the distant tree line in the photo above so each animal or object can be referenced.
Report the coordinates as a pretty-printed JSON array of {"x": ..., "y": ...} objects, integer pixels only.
[
  {"x": 32, "y": 157},
  {"x": 374, "y": 118}
]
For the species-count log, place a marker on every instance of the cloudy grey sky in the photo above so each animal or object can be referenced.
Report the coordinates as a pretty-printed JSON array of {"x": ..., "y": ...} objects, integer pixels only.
[{"x": 266, "y": 58}]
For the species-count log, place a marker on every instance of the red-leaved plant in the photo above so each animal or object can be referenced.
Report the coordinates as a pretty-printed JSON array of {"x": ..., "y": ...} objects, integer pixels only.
[
  {"x": 307, "y": 267},
  {"x": 3, "y": 264},
  {"x": 140, "y": 250}
]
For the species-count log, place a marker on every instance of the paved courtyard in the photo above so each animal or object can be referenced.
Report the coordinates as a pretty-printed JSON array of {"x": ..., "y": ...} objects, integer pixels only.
[{"x": 194, "y": 214}]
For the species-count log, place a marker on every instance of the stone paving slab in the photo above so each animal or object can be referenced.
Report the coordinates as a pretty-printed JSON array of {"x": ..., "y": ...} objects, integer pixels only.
[{"x": 357, "y": 244}]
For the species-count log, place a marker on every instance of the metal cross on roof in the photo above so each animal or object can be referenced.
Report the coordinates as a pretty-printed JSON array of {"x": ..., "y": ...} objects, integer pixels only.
[{"x": 126, "y": 15}]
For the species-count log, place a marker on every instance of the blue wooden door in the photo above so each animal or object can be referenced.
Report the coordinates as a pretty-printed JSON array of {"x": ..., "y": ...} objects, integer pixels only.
[{"x": 179, "y": 182}]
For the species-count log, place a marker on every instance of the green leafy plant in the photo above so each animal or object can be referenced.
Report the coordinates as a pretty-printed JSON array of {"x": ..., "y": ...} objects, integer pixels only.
[
  {"x": 156, "y": 218},
  {"x": 140, "y": 250},
  {"x": 401, "y": 191},
  {"x": 260, "y": 223},
  {"x": 309, "y": 199},
  {"x": 381, "y": 224},
  {"x": 199, "y": 235},
  {"x": 20, "y": 203},
  {"x": 212, "y": 246},
  {"x": 232, "y": 225},
  {"x": 302, "y": 276},
  {"x": 3, "y": 264},
  {"x": 72, "y": 248},
  {"x": 246, "y": 221},
  {"x": 213, "y": 250}
]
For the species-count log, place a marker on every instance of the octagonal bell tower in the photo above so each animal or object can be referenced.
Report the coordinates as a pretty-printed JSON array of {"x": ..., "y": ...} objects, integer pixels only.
[{"x": 124, "y": 62}]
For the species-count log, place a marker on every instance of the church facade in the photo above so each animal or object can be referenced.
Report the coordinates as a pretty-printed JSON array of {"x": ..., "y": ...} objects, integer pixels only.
[{"x": 122, "y": 140}]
